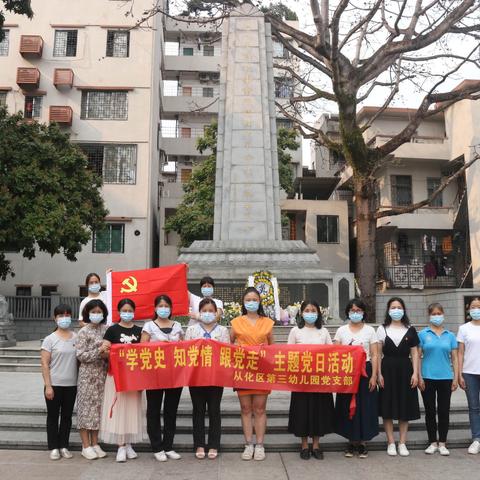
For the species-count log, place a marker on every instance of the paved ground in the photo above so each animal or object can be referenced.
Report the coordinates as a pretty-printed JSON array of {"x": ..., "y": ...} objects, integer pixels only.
[{"x": 34, "y": 465}]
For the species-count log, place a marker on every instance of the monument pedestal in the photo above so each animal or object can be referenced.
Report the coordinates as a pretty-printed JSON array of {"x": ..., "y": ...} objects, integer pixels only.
[{"x": 7, "y": 327}]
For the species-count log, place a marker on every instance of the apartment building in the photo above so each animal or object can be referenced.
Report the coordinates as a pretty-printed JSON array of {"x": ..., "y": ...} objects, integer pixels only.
[
  {"x": 86, "y": 66},
  {"x": 431, "y": 254}
]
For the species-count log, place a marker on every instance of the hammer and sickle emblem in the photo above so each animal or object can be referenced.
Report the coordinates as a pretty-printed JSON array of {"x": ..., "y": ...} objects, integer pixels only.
[{"x": 129, "y": 285}]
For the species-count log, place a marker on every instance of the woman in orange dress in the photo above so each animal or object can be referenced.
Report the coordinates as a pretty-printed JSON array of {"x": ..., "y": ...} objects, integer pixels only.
[{"x": 252, "y": 328}]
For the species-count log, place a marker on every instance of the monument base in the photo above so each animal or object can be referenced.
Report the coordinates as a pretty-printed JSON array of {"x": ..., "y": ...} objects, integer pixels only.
[
  {"x": 296, "y": 266},
  {"x": 7, "y": 335}
]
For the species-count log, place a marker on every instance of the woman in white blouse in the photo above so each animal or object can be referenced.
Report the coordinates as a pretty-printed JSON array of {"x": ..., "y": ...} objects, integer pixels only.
[
  {"x": 162, "y": 329},
  {"x": 311, "y": 413},
  {"x": 364, "y": 424}
]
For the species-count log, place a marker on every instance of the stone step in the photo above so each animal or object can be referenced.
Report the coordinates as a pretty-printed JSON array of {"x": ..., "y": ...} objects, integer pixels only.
[
  {"x": 417, "y": 440},
  {"x": 15, "y": 351},
  {"x": 17, "y": 359},
  {"x": 231, "y": 424},
  {"x": 20, "y": 367}
]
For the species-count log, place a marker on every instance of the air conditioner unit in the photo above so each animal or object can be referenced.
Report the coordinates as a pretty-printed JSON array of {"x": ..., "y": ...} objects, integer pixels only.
[
  {"x": 215, "y": 76},
  {"x": 203, "y": 77}
]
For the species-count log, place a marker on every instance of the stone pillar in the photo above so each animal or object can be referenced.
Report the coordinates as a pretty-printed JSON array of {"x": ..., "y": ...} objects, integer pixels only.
[
  {"x": 7, "y": 327},
  {"x": 247, "y": 183}
]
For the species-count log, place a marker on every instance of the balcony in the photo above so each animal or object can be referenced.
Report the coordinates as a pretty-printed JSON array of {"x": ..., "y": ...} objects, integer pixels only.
[
  {"x": 61, "y": 114},
  {"x": 63, "y": 77},
  {"x": 427, "y": 217},
  {"x": 195, "y": 98},
  {"x": 192, "y": 63},
  {"x": 181, "y": 140},
  {"x": 31, "y": 46},
  {"x": 28, "y": 78}
]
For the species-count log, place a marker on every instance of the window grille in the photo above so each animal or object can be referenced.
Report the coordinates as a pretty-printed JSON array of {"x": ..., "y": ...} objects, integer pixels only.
[
  {"x": 118, "y": 43},
  {"x": 65, "y": 43},
  {"x": 104, "y": 105}
]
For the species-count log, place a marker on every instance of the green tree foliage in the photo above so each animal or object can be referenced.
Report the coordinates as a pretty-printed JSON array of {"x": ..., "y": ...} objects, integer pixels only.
[
  {"x": 49, "y": 200},
  {"x": 193, "y": 219},
  {"x": 281, "y": 11},
  {"x": 20, "y": 7}
]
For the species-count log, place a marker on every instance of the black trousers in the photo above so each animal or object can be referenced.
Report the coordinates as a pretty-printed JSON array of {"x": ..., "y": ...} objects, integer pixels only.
[
  {"x": 61, "y": 405},
  {"x": 203, "y": 397},
  {"x": 154, "y": 425},
  {"x": 436, "y": 399}
]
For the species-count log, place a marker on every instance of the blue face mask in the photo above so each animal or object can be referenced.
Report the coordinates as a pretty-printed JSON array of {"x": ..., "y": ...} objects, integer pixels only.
[
  {"x": 64, "y": 322},
  {"x": 207, "y": 291},
  {"x": 95, "y": 317},
  {"x": 310, "y": 317},
  {"x": 252, "y": 306},
  {"x": 207, "y": 317},
  {"x": 396, "y": 314},
  {"x": 475, "y": 313},
  {"x": 94, "y": 288},
  {"x": 355, "y": 317},
  {"x": 127, "y": 316},
  {"x": 436, "y": 320},
  {"x": 163, "y": 312}
]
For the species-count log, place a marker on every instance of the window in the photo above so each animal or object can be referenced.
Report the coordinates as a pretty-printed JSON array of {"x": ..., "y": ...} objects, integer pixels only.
[
  {"x": 185, "y": 174},
  {"x": 3, "y": 99},
  {"x": 401, "y": 190},
  {"x": 110, "y": 239},
  {"x": 432, "y": 185},
  {"x": 114, "y": 163},
  {"x": 187, "y": 91},
  {"x": 327, "y": 228},
  {"x": 47, "y": 290},
  {"x": 284, "y": 123},
  {"x": 5, "y": 43},
  {"x": 103, "y": 105},
  {"x": 279, "y": 51},
  {"x": 118, "y": 43},
  {"x": 208, "y": 51},
  {"x": 185, "y": 132},
  {"x": 23, "y": 291},
  {"x": 33, "y": 107},
  {"x": 283, "y": 87},
  {"x": 65, "y": 43},
  {"x": 208, "y": 91},
  {"x": 188, "y": 51}
]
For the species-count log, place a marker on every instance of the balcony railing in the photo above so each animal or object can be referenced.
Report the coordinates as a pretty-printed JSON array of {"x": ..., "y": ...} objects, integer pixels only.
[
  {"x": 39, "y": 308},
  {"x": 413, "y": 276},
  {"x": 193, "y": 91},
  {"x": 182, "y": 132}
]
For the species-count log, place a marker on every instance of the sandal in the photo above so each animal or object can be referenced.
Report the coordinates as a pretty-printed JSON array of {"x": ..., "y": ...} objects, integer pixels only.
[
  {"x": 212, "y": 454},
  {"x": 200, "y": 455}
]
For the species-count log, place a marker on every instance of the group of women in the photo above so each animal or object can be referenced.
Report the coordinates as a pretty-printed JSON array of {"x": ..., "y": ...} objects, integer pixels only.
[{"x": 75, "y": 367}]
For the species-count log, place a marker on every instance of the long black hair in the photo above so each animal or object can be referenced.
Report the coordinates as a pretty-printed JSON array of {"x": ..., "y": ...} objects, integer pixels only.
[
  {"x": 125, "y": 301},
  {"x": 158, "y": 299},
  {"x": 305, "y": 304},
  {"x": 405, "y": 320},
  {"x": 90, "y": 276},
  {"x": 359, "y": 303},
  {"x": 260, "y": 310},
  {"x": 90, "y": 306}
]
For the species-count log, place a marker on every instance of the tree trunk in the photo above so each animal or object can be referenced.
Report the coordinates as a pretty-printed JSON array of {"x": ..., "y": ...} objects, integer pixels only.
[{"x": 366, "y": 224}]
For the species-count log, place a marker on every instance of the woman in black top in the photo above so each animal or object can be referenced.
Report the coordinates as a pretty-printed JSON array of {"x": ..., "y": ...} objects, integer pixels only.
[
  {"x": 122, "y": 415},
  {"x": 398, "y": 373}
]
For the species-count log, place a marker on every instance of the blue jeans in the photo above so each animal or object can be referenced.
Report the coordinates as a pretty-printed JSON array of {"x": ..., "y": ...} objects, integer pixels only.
[{"x": 473, "y": 398}]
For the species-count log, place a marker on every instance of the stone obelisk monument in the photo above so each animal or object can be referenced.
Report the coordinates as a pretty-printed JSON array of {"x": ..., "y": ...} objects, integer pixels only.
[{"x": 247, "y": 226}]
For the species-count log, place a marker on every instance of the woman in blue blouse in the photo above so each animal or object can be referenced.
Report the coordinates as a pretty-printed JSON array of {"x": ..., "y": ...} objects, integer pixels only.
[{"x": 438, "y": 377}]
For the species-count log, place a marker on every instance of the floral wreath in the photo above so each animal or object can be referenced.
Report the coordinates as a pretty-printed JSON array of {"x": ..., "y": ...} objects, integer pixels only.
[{"x": 262, "y": 281}]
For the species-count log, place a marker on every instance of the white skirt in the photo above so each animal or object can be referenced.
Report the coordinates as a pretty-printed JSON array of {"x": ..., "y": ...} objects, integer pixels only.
[{"x": 123, "y": 416}]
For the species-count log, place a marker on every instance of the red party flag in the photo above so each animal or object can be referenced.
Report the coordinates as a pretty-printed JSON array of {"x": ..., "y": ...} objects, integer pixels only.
[{"x": 143, "y": 286}]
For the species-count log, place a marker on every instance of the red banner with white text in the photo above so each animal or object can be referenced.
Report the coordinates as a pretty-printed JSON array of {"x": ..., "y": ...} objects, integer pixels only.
[{"x": 302, "y": 368}]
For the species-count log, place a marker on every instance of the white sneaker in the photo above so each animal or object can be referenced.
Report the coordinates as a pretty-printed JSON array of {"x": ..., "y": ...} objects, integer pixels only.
[
  {"x": 173, "y": 455},
  {"x": 160, "y": 456},
  {"x": 55, "y": 454},
  {"x": 259, "y": 452},
  {"x": 121, "y": 454},
  {"x": 403, "y": 450},
  {"x": 89, "y": 453},
  {"x": 65, "y": 453},
  {"x": 443, "y": 450},
  {"x": 431, "y": 449},
  {"x": 248, "y": 452},
  {"x": 131, "y": 453},
  {"x": 98, "y": 450},
  {"x": 392, "y": 450},
  {"x": 474, "y": 448}
]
